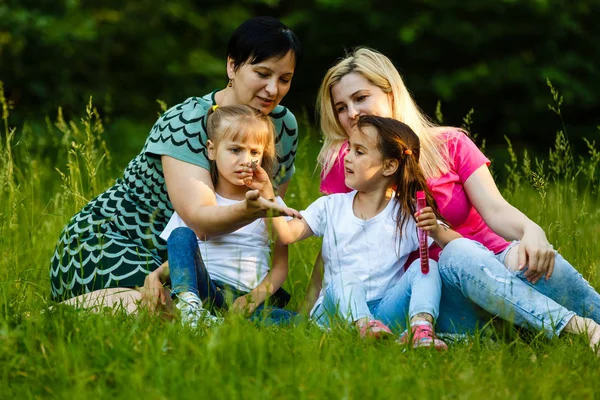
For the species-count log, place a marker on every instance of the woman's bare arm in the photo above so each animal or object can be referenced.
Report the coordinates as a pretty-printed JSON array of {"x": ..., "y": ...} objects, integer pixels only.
[
  {"x": 507, "y": 221},
  {"x": 192, "y": 194}
]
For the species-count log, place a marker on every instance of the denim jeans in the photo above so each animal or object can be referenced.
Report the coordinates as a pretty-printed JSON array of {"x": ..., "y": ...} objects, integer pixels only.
[
  {"x": 477, "y": 286},
  {"x": 345, "y": 299},
  {"x": 189, "y": 274}
]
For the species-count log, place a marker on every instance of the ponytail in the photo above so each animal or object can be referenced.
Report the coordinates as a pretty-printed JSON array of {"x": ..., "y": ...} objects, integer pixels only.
[{"x": 409, "y": 179}]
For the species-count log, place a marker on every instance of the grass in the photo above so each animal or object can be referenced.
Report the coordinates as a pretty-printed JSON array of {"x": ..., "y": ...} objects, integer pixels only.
[{"x": 48, "y": 173}]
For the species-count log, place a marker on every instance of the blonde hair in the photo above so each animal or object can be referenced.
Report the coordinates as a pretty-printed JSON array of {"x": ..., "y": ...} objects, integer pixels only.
[
  {"x": 380, "y": 71},
  {"x": 235, "y": 123}
]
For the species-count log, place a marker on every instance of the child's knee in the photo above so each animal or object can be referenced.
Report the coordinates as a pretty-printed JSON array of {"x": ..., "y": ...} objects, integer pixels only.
[
  {"x": 415, "y": 267},
  {"x": 433, "y": 267},
  {"x": 182, "y": 236}
]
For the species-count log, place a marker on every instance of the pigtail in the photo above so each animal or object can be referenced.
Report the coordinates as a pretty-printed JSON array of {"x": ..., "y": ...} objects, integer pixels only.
[
  {"x": 269, "y": 160},
  {"x": 408, "y": 180},
  {"x": 212, "y": 125}
]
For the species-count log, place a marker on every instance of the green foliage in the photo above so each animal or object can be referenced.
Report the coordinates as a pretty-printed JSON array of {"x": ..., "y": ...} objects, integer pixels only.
[
  {"x": 590, "y": 169},
  {"x": 132, "y": 52},
  {"x": 568, "y": 181},
  {"x": 88, "y": 156},
  {"x": 439, "y": 117},
  {"x": 492, "y": 55}
]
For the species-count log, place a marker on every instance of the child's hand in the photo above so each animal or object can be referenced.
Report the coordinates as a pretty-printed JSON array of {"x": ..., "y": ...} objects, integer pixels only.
[
  {"x": 261, "y": 207},
  {"x": 244, "y": 305},
  {"x": 259, "y": 180},
  {"x": 427, "y": 220}
]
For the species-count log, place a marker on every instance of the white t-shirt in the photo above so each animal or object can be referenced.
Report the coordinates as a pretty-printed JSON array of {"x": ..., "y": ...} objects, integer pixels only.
[
  {"x": 370, "y": 249},
  {"x": 240, "y": 259}
]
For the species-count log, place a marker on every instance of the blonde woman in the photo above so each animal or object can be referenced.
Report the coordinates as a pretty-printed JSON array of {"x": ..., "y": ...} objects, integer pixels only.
[{"x": 504, "y": 265}]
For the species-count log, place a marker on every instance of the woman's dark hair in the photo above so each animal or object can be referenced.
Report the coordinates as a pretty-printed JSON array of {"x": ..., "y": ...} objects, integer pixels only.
[
  {"x": 396, "y": 140},
  {"x": 261, "y": 38}
]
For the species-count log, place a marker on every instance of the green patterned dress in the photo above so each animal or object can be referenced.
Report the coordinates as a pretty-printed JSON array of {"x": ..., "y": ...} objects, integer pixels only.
[{"x": 114, "y": 240}]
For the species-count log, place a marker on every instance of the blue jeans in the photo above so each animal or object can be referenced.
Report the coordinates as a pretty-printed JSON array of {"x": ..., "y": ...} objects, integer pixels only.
[
  {"x": 476, "y": 286},
  {"x": 189, "y": 274},
  {"x": 346, "y": 299}
]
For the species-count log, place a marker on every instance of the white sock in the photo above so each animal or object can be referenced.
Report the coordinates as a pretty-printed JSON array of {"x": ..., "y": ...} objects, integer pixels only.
[{"x": 420, "y": 322}]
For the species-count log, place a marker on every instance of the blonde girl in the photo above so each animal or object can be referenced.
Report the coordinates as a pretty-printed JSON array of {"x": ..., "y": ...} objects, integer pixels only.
[{"x": 203, "y": 269}]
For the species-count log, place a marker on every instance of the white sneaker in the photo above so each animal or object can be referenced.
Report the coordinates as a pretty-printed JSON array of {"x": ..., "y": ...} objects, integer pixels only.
[{"x": 192, "y": 313}]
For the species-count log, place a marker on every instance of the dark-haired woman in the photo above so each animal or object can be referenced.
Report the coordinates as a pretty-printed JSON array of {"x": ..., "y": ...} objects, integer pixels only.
[{"x": 112, "y": 245}]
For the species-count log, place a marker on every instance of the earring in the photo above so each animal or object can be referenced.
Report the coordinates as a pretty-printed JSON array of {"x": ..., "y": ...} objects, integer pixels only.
[{"x": 230, "y": 84}]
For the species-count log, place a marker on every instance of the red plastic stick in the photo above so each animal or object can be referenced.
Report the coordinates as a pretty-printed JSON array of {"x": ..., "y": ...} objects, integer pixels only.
[{"x": 423, "y": 247}]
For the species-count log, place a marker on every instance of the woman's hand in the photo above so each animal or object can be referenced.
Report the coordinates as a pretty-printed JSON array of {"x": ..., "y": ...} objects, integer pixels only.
[
  {"x": 153, "y": 292},
  {"x": 537, "y": 254},
  {"x": 261, "y": 207}
]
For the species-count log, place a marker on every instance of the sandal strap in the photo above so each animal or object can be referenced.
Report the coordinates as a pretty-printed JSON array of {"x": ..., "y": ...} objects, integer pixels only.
[{"x": 374, "y": 323}]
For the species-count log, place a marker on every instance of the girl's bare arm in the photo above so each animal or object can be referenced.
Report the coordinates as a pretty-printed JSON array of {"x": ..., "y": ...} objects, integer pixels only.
[
  {"x": 315, "y": 285},
  {"x": 288, "y": 232},
  {"x": 269, "y": 285}
]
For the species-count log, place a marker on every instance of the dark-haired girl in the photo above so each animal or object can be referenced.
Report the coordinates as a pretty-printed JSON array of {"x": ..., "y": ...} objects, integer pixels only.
[
  {"x": 113, "y": 246},
  {"x": 368, "y": 235}
]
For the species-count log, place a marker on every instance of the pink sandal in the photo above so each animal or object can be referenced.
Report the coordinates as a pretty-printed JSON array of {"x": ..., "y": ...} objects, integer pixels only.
[
  {"x": 374, "y": 329},
  {"x": 422, "y": 335}
]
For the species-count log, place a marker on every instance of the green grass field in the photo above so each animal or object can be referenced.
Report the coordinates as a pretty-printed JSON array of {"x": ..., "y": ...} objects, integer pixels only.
[{"x": 48, "y": 173}]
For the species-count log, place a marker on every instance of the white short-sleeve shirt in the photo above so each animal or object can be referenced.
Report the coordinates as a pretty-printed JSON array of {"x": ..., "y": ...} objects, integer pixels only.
[
  {"x": 240, "y": 259},
  {"x": 370, "y": 249}
]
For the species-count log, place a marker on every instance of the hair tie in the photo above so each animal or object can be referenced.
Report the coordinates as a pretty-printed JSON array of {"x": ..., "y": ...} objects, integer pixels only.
[
  {"x": 214, "y": 108},
  {"x": 408, "y": 152}
]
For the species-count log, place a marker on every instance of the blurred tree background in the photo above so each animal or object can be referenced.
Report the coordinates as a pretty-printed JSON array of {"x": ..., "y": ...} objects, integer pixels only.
[{"x": 492, "y": 56}]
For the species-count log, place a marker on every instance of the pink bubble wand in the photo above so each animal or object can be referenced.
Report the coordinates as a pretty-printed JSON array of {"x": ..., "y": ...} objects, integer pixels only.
[{"x": 423, "y": 247}]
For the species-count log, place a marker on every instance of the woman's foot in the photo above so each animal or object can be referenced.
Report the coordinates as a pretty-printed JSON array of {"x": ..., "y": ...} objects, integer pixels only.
[
  {"x": 372, "y": 328},
  {"x": 589, "y": 327},
  {"x": 421, "y": 335}
]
